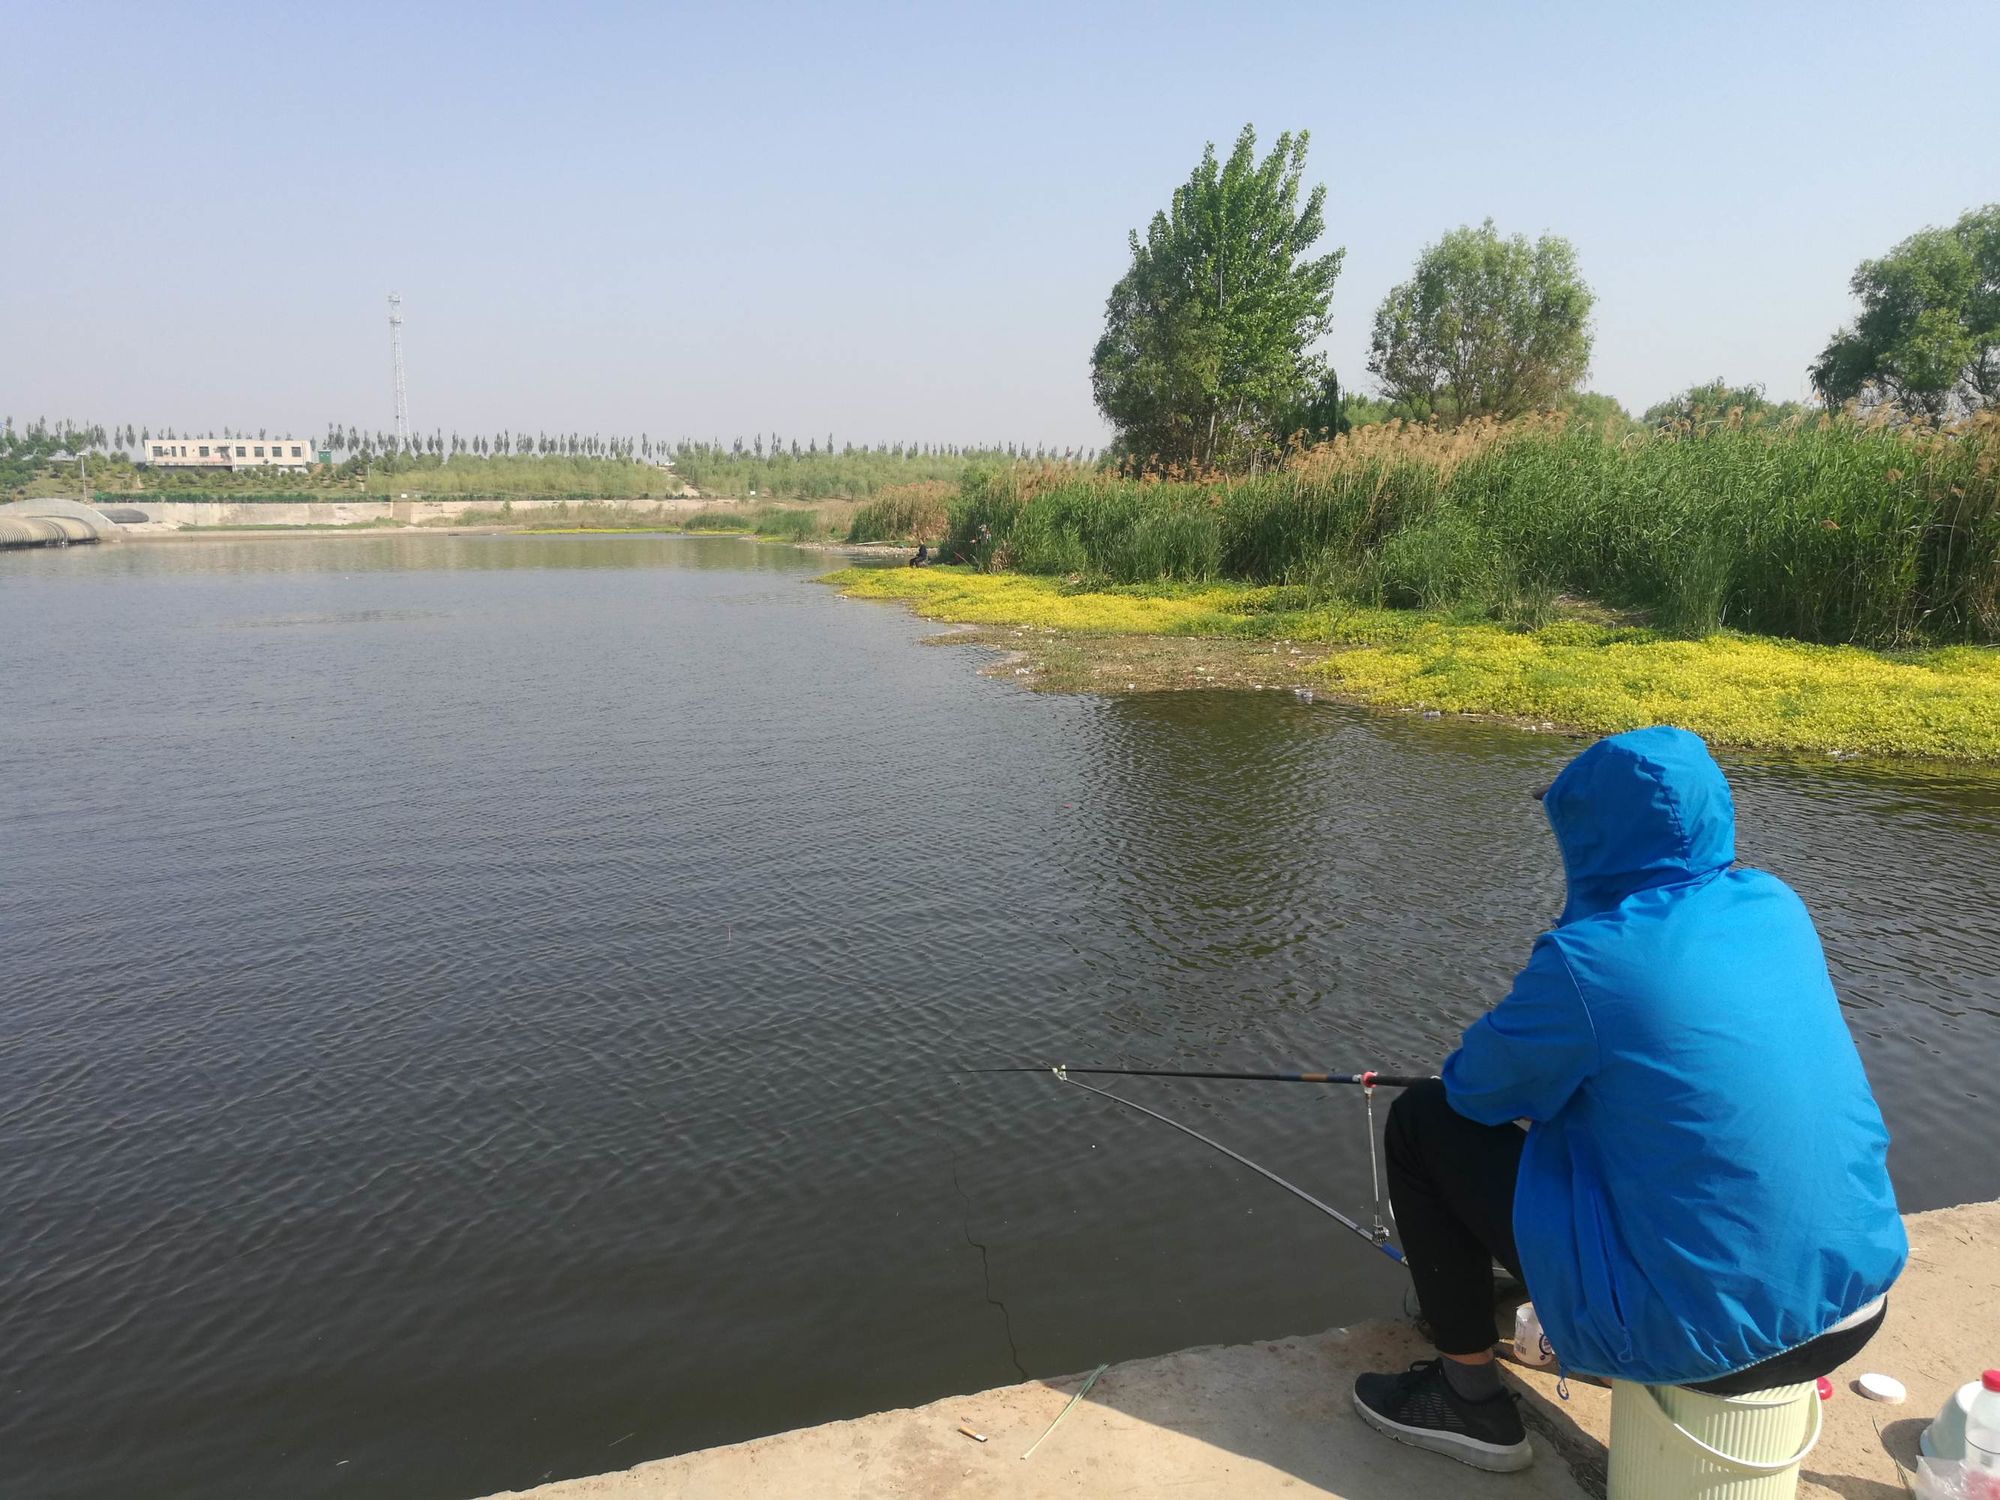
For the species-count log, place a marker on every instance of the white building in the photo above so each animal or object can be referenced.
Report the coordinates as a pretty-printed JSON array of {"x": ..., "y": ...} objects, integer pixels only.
[{"x": 228, "y": 453}]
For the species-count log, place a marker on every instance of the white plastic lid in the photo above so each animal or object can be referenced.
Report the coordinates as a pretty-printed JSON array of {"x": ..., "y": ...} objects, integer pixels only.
[{"x": 1882, "y": 1388}]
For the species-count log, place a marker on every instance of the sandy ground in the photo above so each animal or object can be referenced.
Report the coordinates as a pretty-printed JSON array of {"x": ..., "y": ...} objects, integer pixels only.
[{"x": 1274, "y": 1419}]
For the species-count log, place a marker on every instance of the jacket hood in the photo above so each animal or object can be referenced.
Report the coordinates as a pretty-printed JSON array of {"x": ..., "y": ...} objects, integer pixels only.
[{"x": 1639, "y": 810}]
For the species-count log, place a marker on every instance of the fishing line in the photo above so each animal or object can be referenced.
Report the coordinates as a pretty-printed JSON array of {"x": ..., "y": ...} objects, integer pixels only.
[
  {"x": 1378, "y": 1238},
  {"x": 1374, "y": 1168},
  {"x": 986, "y": 1272},
  {"x": 985, "y": 1265},
  {"x": 1368, "y": 1080}
]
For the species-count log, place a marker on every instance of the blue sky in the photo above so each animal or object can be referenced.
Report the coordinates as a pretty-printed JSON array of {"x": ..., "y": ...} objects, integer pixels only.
[{"x": 901, "y": 221}]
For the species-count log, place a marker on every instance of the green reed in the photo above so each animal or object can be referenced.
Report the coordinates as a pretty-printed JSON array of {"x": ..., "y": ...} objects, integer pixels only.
[
  {"x": 1829, "y": 530},
  {"x": 905, "y": 513}
]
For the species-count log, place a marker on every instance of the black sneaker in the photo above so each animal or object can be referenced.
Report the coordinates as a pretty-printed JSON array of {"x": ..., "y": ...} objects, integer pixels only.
[{"x": 1419, "y": 1407}]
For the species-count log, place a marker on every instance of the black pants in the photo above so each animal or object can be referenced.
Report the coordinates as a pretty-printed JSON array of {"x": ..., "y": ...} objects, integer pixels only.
[{"x": 1451, "y": 1183}]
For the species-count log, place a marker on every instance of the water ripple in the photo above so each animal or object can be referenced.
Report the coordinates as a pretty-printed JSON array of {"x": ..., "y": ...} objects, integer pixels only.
[{"x": 466, "y": 1001}]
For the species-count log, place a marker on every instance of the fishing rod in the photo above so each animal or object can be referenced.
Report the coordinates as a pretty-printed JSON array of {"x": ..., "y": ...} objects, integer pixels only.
[
  {"x": 1377, "y": 1237},
  {"x": 1369, "y": 1080}
]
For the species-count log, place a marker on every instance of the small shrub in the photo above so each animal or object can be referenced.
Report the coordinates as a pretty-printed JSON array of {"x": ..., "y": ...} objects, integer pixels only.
[{"x": 789, "y": 524}]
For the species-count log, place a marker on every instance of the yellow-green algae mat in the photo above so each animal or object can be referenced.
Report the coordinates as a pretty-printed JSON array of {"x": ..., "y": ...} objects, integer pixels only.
[{"x": 1751, "y": 691}]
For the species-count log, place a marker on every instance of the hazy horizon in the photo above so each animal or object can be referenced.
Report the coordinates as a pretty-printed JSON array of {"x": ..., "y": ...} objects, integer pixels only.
[{"x": 898, "y": 224}]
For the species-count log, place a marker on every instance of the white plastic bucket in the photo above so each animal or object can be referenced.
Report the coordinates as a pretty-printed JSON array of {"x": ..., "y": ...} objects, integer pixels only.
[{"x": 1671, "y": 1443}]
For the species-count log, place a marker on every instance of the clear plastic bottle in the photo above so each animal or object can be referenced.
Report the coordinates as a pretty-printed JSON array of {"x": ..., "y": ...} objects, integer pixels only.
[{"x": 1982, "y": 1441}]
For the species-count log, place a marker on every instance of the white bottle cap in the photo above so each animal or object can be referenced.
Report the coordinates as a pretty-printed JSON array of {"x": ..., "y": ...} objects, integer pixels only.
[{"x": 1881, "y": 1388}]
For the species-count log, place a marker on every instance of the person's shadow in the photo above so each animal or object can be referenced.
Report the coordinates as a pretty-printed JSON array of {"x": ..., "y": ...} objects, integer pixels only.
[{"x": 1287, "y": 1406}]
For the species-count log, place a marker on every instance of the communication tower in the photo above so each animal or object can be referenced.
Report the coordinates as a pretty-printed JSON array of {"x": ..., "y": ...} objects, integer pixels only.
[{"x": 396, "y": 348}]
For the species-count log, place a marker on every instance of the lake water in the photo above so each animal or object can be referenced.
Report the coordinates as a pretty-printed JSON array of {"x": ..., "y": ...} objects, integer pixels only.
[{"x": 476, "y": 1010}]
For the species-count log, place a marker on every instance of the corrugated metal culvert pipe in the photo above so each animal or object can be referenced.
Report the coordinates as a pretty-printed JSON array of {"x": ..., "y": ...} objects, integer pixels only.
[{"x": 44, "y": 531}]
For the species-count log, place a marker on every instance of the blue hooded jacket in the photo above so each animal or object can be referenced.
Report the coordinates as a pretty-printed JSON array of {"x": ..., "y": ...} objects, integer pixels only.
[{"x": 1705, "y": 1183}]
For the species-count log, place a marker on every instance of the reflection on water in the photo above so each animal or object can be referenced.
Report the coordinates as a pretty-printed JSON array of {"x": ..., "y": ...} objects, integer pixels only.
[
  {"x": 471, "y": 999},
  {"x": 351, "y": 553}
]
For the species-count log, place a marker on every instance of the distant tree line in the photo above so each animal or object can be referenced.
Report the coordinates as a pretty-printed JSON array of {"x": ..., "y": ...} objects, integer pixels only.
[
  {"x": 816, "y": 472},
  {"x": 765, "y": 464},
  {"x": 29, "y": 452},
  {"x": 45, "y": 439}
]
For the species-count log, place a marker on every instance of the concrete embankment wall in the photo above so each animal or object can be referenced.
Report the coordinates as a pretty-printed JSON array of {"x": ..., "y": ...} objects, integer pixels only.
[
  {"x": 166, "y": 515},
  {"x": 1274, "y": 1419}
]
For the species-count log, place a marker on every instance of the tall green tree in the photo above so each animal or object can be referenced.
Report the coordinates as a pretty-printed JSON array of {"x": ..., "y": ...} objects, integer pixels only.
[
  {"x": 1485, "y": 327},
  {"x": 1928, "y": 338},
  {"x": 1208, "y": 338}
]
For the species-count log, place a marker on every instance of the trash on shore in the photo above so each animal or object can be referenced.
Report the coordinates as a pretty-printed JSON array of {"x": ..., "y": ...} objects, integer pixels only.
[
  {"x": 1081, "y": 1393},
  {"x": 1881, "y": 1388}
]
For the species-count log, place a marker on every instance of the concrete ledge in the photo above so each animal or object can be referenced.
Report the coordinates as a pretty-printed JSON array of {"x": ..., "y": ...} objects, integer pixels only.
[
  {"x": 1251, "y": 1420},
  {"x": 1274, "y": 1419},
  {"x": 1943, "y": 1329}
]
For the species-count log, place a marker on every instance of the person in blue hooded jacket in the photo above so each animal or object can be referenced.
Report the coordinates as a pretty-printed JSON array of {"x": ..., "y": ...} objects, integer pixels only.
[{"x": 1701, "y": 1196}]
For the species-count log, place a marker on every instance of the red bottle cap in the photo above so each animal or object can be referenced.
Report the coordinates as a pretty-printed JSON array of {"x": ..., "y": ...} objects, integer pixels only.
[
  {"x": 1991, "y": 1380},
  {"x": 1825, "y": 1389}
]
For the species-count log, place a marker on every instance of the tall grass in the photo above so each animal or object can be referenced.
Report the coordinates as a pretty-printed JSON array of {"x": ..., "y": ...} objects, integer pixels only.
[
  {"x": 905, "y": 513},
  {"x": 791, "y": 525},
  {"x": 1828, "y": 530},
  {"x": 787, "y": 523}
]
